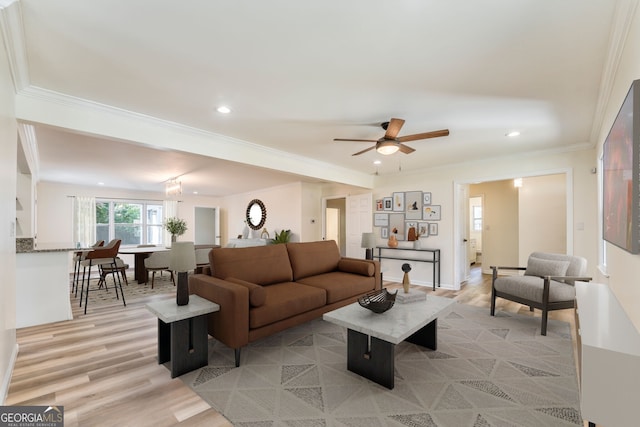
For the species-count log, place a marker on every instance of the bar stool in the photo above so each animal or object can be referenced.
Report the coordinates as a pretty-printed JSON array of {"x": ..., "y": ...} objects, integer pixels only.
[
  {"x": 79, "y": 256},
  {"x": 104, "y": 256}
]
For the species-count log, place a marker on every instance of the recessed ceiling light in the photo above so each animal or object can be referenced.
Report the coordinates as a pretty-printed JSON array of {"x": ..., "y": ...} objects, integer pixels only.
[
  {"x": 513, "y": 133},
  {"x": 195, "y": 192},
  {"x": 223, "y": 109},
  {"x": 101, "y": 183},
  {"x": 377, "y": 162}
]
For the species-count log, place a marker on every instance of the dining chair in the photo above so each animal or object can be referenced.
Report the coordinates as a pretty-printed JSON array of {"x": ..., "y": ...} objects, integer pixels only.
[
  {"x": 157, "y": 261},
  {"x": 202, "y": 259},
  {"x": 101, "y": 256},
  {"x": 79, "y": 256}
]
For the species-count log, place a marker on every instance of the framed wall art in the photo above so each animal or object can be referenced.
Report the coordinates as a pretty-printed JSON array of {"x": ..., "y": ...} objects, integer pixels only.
[
  {"x": 433, "y": 229},
  {"x": 426, "y": 198},
  {"x": 396, "y": 222},
  {"x": 413, "y": 205},
  {"x": 388, "y": 203},
  {"x": 384, "y": 233},
  {"x": 431, "y": 213},
  {"x": 380, "y": 205},
  {"x": 408, "y": 226},
  {"x": 423, "y": 229},
  {"x": 381, "y": 220},
  {"x": 398, "y": 202}
]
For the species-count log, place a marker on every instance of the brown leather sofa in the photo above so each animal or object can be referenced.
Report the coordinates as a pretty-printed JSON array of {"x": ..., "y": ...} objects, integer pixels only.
[{"x": 266, "y": 289}]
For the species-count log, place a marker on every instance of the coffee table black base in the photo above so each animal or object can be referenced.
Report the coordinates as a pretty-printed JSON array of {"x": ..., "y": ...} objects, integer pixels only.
[
  {"x": 374, "y": 358},
  {"x": 183, "y": 344}
]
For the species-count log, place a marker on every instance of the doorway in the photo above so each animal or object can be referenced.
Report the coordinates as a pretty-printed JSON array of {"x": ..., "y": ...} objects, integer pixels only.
[
  {"x": 206, "y": 226},
  {"x": 335, "y": 224}
]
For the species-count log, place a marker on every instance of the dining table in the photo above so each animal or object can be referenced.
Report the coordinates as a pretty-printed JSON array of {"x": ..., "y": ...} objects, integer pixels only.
[
  {"x": 141, "y": 252},
  {"x": 139, "y": 255}
]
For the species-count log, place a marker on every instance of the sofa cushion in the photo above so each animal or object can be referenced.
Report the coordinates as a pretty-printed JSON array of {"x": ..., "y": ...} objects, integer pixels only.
[
  {"x": 357, "y": 266},
  {"x": 546, "y": 267},
  {"x": 257, "y": 294},
  {"x": 312, "y": 258},
  {"x": 531, "y": 288},
  {"x": 340, "y": 285},
  {"x": 262, "y": 265},
  {"x": 284, "y": 300}
]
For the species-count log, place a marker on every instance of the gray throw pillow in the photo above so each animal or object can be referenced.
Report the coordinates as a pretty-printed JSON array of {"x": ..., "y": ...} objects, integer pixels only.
[{"x": 546, "y": 267}]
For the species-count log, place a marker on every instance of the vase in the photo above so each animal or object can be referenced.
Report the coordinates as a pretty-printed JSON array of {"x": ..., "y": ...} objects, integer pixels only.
[
  {"x": 393, "y": 242},
  {"x": 417, "y": 244},
  {"x": 173, "y": 238}
]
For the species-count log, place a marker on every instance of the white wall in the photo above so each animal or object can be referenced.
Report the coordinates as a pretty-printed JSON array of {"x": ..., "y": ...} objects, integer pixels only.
[
  {"x": 542, "y": 215},
  {"x": 623, "y": 268},
  {"x": 8, "y": 175},
  {"x": 284, "y": 205}
]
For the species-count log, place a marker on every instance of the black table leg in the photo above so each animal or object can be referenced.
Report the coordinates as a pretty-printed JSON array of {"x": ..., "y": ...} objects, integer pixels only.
[
  {"x": 427, "y": 336},
  {"x": 371, "y": 358},
  {"x": 183, "y": 344}
]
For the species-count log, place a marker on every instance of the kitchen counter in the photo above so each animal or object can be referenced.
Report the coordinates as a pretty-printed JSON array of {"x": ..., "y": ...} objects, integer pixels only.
[{"x": 42, "y": 283}]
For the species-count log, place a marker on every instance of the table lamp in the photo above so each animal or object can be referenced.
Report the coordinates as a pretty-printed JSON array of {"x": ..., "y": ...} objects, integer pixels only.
[
  {"x": 182, "y": 259},
  {"x": 368, "y": 242}
]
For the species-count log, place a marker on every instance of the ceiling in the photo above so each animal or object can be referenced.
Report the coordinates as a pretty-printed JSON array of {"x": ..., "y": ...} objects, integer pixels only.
[{"x": 298, "y": 74}]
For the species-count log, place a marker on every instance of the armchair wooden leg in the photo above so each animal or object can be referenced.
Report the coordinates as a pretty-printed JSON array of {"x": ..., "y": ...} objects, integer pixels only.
[
  {"x": 543, "y": 326},
  {"x": 530, "y": 308},
  {"x": 493, "y": 301}
]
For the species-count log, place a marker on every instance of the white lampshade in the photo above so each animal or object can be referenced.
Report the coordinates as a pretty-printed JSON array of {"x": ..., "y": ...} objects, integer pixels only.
[
  {"x": 183, "y": 256},
  {"x": 368, "y": 241}
]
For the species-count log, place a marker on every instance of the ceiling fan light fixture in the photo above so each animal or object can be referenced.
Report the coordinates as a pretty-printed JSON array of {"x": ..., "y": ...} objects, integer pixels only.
[{"x": 387, "y": 147}]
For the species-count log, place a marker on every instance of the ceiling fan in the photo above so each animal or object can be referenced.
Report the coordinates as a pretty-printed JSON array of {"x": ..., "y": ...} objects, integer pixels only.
[{"x": 390, "y": 142}]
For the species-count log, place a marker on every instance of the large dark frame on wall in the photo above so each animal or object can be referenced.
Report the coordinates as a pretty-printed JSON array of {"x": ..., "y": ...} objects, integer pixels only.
[{"x": 620, "y": 176}]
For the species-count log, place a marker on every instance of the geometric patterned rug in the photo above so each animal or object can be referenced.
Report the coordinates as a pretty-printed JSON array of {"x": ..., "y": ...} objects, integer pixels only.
[{"x": 487, "y": 371}]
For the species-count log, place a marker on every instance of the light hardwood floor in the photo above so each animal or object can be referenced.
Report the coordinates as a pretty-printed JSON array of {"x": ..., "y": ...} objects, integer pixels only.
[{"x": 102, "y": 366}]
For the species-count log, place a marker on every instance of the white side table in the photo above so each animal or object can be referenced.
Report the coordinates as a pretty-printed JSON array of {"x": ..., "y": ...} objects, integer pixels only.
[{"x": 182, "y": 333}]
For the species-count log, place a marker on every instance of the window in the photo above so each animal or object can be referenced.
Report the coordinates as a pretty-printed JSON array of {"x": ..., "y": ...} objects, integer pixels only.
[
  {"x": 134, "y": 222},
  {"x": 477, "y": 218}
]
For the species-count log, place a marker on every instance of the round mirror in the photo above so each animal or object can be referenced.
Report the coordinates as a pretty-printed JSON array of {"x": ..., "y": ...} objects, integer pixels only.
[{"x": 256, "y": 214}]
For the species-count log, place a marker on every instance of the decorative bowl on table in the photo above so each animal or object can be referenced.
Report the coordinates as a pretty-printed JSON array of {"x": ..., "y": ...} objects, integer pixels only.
[{"x": 378, "y": 301}]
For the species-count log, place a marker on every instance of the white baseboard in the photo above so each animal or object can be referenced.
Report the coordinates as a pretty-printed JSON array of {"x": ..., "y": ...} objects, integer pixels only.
[{"x": 4, "y": 390}]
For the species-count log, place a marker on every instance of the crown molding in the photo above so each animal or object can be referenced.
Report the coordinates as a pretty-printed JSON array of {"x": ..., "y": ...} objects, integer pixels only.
[
  {"x": 13, "y": 34},
  {"x": 217, "y": 145},
  {"x": 620, "y": 26}
]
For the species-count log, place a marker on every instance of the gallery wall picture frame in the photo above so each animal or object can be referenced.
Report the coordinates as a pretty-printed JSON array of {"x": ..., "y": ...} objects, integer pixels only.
[
  {"x": 388, "y": 203},
  {"x": 426, "y": 198},
  {"x": 413, "y": 205},
  {"x": 384, "y": 233},
  {"x": 433, "y": 229},
  {"x": 379, "y": 204},
  {"x": 423, "y": 229},
  {"x": 398, "y": 202},
  {"x": 381, "y": 220},
  {"x": 431, "y": 213},
  {"x": 396, "y": 221},
  {"x": 408, "y": 225}
]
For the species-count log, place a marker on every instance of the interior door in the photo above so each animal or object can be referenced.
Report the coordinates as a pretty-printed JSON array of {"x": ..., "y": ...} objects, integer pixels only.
[
  {"x": 207, "y": 226},
  {"x": 359, "y": 220},
  {"x": 461, "y": 216}
]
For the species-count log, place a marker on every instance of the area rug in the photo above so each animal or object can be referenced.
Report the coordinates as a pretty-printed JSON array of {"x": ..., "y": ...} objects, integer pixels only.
[
  {"x": 487, "y": 371},
  {"x": 162, "y": 284}
]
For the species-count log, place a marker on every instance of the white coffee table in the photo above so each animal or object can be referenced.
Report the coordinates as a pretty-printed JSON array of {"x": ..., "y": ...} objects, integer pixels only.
[{"x": 372, "y": 337}]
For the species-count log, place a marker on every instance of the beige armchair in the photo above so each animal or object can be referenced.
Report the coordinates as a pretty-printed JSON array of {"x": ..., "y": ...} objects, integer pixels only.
[
  {"x": 158, "y": 261},
  {"x": 547, "y": 283}
]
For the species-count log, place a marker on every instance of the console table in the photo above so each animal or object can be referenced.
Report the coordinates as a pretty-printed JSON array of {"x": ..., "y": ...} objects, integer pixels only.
[
  {"x": 608, "y": 358},
  {"x": 394, "y": 253}
]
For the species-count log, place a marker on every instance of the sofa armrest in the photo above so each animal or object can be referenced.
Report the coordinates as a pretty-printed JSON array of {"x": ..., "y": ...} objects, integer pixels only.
[
  {"x": 230, "y": 325},
  {"x": 376, "y": 267}
]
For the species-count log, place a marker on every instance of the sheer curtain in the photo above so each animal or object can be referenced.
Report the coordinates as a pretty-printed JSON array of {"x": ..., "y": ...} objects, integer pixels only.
[
  {"x": 169, "y": 209},
  {"x": 85, "y": 221}
]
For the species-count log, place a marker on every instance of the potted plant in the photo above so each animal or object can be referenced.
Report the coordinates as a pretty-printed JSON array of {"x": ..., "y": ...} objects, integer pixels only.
[
  {"x": 282, "y": 237},
  {"x": 176, "y": 227}
]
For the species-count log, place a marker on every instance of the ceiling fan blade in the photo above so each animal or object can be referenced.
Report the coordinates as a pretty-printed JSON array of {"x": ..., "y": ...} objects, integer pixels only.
[
  {"x": 363, "y": 151},
  {"x": 426, "y": 135},
  {"x": 357, "y": 140},
  {"x": 393, "y": 128},
  {"x": 405, "y": 149}
]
